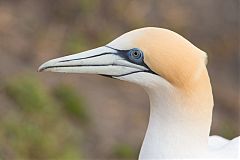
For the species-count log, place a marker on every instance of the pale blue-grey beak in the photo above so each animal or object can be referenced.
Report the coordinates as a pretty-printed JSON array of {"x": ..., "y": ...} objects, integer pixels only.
[{"x": 102, "y": 60}]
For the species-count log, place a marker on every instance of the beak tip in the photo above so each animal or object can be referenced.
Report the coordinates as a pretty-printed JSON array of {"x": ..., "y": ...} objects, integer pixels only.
[
  {"x": 42, "y": 68},
  {"x": 47, "y": 65}
]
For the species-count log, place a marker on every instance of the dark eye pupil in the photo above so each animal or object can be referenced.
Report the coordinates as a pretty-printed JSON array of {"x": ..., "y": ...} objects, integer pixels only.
[{"x": 135, "y": 54}]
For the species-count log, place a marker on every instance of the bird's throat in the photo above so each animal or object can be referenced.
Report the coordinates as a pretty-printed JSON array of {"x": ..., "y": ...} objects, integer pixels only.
[{"x": 177, "y": 127}]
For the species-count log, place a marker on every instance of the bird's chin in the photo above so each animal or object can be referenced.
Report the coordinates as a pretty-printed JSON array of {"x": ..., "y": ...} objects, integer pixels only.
[{"x": 144, "y": 79}]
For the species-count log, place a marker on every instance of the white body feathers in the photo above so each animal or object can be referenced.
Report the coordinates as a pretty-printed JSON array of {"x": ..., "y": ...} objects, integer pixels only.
[{"x": 180, "y": 91}]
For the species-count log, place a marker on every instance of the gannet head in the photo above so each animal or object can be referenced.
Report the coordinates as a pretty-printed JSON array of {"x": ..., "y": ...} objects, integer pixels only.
[{"x": 144, "y": 56}]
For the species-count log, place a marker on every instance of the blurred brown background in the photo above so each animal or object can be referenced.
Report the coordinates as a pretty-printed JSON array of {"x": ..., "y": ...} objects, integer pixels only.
[{"x": 71, "y": 116}]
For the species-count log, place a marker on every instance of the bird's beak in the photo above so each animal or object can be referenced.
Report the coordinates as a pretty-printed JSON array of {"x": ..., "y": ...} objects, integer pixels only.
[{"x": 103, "y": 60}]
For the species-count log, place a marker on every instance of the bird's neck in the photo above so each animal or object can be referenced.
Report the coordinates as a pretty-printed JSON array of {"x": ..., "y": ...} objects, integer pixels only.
[{"x": 179, "y": 124}]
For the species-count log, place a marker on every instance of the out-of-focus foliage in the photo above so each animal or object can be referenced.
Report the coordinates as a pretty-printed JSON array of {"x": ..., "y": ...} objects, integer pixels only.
[
  {"x": 123, "y": 151},
  {"x": 38, "y": 127},
  {"x": 72, "y": 102},
  {"x": 67, "y": 116},
  {"x": 29, "y": 95}
]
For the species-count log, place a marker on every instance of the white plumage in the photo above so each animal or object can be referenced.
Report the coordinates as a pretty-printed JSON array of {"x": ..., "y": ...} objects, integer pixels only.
[{"x": 173, "y": 73}]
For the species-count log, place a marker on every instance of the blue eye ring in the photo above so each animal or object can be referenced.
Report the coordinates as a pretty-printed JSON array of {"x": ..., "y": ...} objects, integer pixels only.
[{"x": 135, "y": 55}]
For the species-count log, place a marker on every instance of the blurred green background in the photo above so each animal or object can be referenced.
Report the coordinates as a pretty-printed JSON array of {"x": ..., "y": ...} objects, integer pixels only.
[{"x": 72, "y": 116}]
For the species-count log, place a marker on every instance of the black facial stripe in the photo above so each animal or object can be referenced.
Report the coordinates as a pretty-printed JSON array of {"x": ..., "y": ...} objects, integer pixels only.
[{"x": 123, "y": 54}]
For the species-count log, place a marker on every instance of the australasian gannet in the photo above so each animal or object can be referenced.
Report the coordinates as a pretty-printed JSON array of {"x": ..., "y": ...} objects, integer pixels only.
[{"x": 173, "y": 72}]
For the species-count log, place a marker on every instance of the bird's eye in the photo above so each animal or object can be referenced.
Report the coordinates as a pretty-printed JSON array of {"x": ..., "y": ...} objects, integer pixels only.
[{"x": 135, "y": 55}]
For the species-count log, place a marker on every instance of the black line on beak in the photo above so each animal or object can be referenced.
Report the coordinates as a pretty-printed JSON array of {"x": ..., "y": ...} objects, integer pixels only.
[
  {"x": 121, "y": 53},
  {"x": 106, "y": 53},
  {"x": 108, "y": 76},
  {"x": 59, "y": 66},
  {"x": 68, "y": 60}
]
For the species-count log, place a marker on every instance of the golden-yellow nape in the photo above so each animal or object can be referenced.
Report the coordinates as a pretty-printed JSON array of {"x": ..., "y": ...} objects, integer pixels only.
[
  {"x": 167, "y": 53},
  {"x": 173, "y": 72}
]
